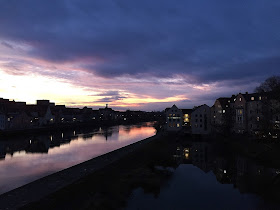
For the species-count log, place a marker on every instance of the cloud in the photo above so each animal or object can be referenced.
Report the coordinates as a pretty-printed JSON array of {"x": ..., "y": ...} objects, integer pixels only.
[
  {"x": 194, "y": 38},
  {"x": 154, "y": 48},
  {"x": 108, "y": 93},
  {"x": 110, "y": 99},
  {"x": 7, "y": 45}
]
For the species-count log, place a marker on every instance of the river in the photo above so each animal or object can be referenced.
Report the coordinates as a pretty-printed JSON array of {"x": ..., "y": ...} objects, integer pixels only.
[
  {"x": 209, "y": 175},
  {"x": 27, "y": 158}
]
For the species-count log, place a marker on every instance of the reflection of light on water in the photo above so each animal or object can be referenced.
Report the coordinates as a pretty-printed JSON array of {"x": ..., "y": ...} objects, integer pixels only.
[
  {"x": 186, "y": 151},
  {"x": 23, "y": 167}
]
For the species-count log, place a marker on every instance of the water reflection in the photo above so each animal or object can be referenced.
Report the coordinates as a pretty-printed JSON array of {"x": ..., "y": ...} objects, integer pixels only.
[
  {"x": 211, "y": 175},
  {"x": 27, "y": 158}
]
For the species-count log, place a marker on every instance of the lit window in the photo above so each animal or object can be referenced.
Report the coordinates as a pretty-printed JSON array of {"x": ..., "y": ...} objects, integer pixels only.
[
  {"x": 224, "y": 111},
  {"x": 178, "y": 125},
  {"x": 252, "y": 98},
  {"x": 258, "y": 118},
  {"x": 240, "y": 99},
  {"x": 260, "y": 98}
]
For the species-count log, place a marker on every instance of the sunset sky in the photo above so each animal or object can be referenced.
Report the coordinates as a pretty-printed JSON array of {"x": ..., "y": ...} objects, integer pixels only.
[{"x": 139, "y": 55}]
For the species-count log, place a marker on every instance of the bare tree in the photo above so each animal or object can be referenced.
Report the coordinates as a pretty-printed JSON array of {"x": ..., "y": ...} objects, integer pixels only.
[{"x": 270, "y": 108}]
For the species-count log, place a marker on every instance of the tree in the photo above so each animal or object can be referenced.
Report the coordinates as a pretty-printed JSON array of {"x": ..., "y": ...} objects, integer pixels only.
[
  {"x": 270, "y": 108},
  {"x": 271, "y": 85}
]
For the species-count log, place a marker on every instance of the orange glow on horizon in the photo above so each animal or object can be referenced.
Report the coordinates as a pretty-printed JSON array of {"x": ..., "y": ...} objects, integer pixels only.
[{"x": 32, "y": 87}]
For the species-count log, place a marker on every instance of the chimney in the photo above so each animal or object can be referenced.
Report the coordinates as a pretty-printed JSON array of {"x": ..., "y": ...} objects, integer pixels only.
[{"x": 106, "y": 106}]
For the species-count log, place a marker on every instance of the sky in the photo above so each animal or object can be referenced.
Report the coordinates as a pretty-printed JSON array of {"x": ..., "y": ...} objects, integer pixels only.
[{"x": 137, "y": 55}]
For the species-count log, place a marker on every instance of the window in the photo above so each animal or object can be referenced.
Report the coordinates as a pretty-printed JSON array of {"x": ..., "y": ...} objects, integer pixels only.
[
  {"x": 240, "y": 99},
  {"x": 258, "y": 118},
  {"x": 252, "y": 98},
  {"x": 260, "y": 98},
  {"x": 224, "y": 111},
  {"x": 200, "y": 115},
  {"x": 195, "y": 120},
  {"x": 200, "y": 125}
]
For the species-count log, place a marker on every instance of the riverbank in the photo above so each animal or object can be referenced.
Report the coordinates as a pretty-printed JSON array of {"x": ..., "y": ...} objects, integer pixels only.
[
  {"x": 110, "y": 187},
  {"x": 39, "y": 189}
]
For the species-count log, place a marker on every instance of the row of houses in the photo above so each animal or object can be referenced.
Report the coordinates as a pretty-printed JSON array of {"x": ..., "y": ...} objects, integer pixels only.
[
  {"x": 19, "y": 115},
  {"x": 256, "y": 113}
]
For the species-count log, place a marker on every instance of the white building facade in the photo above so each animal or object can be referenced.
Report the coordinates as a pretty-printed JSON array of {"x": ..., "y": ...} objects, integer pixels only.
[
  {"x": 174, "y": 119},
  {"x": 200, "y": 120}
]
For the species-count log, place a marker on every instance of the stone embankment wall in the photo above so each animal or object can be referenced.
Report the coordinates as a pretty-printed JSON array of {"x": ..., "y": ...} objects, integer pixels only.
[{"x": 42, "y": 187}]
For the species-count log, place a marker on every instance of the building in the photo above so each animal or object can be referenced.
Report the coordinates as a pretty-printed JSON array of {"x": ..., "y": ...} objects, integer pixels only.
[
  {"x": 186, "y": 117},
  {"x": 200, "y": 120},
  {"x": 252, "y": 113},
  {"x": 174, "y": 118},
  {"x": 107, "y": 113},
  {"x": 2, "y": 121},
  {"x": 221, "y": 115}
]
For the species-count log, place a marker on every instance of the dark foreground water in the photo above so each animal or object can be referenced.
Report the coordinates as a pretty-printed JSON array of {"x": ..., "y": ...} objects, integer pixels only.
[
  {"x": 211, "y": 176},
  {"x": 25, "y": 159}
]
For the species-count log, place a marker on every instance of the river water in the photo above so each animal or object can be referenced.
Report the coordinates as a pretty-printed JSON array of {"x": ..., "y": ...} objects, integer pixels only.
[
  {"x": 210, "y": 175},
  {"x": 27, "y": 158}
]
